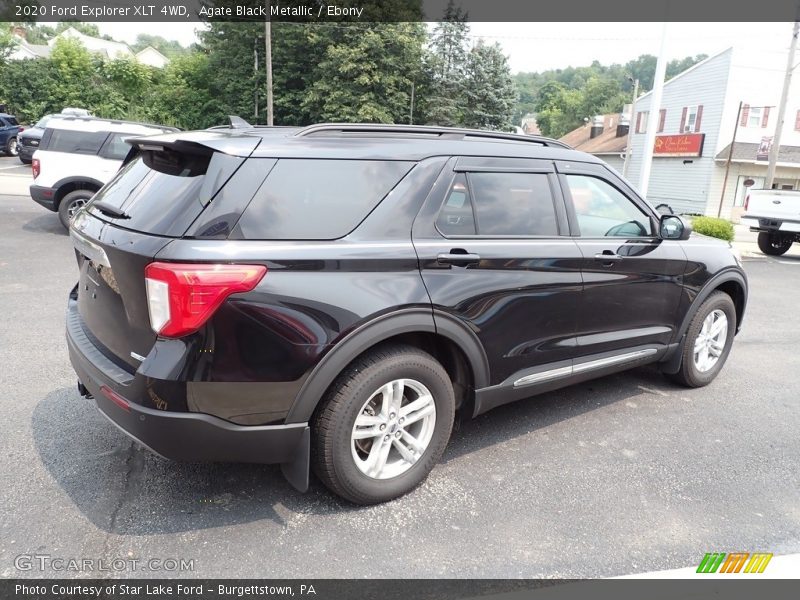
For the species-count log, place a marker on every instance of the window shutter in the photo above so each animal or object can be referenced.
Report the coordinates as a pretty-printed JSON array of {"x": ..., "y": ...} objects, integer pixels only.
[
  {"x": 698, "y": 118},
  {"x": 662, "y": 116},
  {"x": 797, "y": 121},
  {"x": 765, "y": 118},
  {"x": 745, "y": 115},
  {"x": 683, "y": 120},
  {"x": 638, "y": 122}
]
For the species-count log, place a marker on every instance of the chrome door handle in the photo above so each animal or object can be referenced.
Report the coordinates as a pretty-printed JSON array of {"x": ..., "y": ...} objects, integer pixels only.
[
  {"x": 607, "y": 257},
  {"x": 461, "y": 259}
]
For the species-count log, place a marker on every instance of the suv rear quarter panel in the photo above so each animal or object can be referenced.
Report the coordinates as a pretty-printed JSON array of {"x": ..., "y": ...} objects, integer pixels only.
[{"x": 314, "y": 294}]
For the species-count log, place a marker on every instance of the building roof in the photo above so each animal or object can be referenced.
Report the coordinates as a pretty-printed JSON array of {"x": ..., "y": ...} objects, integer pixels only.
[
  {"x": 24, "y": 49},
  {"x": 109, "y": 48},
  {"x": 689, "y": 70},
  {"x": 605, "y": 143},
  {"x": 746, "y": 152}
]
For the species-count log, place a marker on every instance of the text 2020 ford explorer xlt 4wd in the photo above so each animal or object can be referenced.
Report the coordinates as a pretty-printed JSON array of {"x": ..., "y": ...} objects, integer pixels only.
[{"x": 330, "y": 297}]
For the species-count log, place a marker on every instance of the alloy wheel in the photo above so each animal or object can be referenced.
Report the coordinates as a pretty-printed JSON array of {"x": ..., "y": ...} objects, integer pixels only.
[
  {"x": 710, "y": 341},
  {"x": 393, "y": 429}
]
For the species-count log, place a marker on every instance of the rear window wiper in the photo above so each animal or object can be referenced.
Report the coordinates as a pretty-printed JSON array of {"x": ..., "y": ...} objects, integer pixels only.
[{"x": 110, "y": 210}]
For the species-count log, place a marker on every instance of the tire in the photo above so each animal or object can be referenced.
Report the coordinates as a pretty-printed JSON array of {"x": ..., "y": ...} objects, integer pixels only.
[
  {"x": 692, "y": 372},
  {"x": 341, "y": 462},
  {"x": 70, "y": 203},
  {"x": 774, "y": 244},
  {"x": 11, "y": 147}
]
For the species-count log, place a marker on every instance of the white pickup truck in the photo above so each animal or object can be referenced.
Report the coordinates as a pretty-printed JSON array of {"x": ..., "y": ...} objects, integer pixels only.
[{"x": 775, "y": 215}]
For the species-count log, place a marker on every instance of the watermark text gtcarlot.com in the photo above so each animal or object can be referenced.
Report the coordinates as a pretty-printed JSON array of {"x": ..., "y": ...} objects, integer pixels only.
[{"x": 64, "y": 564}]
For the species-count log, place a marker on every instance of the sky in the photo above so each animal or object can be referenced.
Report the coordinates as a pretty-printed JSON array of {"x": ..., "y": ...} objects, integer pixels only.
[{"x": 541, "y": 46}]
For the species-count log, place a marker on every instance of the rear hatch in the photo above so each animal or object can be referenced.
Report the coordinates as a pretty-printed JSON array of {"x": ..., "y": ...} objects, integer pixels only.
[
  {"x": 773, "y": 204},
  {"x": 164, "y": 185}
]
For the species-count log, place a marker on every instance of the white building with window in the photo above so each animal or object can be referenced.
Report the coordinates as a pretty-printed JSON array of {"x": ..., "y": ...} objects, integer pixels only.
[{"x": 697, "y": 117}]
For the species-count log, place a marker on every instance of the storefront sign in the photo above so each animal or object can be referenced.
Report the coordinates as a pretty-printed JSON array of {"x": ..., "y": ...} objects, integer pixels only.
[{"x": 687, "y": 144}]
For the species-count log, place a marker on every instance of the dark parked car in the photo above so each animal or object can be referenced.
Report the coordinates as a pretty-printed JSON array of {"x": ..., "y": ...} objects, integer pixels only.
[
  {"x": 28, "y": 141},
  {"x": 9, "y": 129},
  {"x": 332, "y": 296}
]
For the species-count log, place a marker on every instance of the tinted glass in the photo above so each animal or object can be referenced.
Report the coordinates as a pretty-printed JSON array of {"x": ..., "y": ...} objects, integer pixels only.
[
  {"x": 80, "y": 142},
  {"x": 11, "y": 121},
  {"x": 456, "y": 217},
  {"x": 318, "y": 199},
  {"x": 159, "y": 194},
  {"x": 603, "y": 211},
  {"x": 513, "y": 204},
  {"x": 116, "y": 148}
]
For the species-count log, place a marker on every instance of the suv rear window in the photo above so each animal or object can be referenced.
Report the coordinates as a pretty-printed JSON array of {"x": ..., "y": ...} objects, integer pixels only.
[
  {"x": 318, "y": 199},
  {"x": 79, "y": 142},
  {"x": 11, "y": 121},
  {"x": 162, "y": 193}
]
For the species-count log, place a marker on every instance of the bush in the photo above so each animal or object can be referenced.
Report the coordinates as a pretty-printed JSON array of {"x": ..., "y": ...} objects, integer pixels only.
[{"x": 718, "y": 228}]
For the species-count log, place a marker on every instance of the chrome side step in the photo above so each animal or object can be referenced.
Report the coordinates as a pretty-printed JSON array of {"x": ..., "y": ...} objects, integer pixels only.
[{"x": 583, "y": 367}]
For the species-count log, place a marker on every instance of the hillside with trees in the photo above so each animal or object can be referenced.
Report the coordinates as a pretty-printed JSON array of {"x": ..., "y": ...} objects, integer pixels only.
[{"x": 562, "y": 98}]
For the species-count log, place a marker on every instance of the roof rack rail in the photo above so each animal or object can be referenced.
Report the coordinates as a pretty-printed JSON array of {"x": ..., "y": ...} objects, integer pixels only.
[
  {"x": 424, "y": 130},
  {"x": 89, "y": 118}
]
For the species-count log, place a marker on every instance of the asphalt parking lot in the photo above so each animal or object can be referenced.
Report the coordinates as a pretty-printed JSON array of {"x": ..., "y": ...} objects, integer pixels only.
[{"x": 621, "y": 475}]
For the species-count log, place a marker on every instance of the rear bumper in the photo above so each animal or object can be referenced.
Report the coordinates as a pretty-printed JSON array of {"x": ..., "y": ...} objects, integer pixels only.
[
  {"x": 44, "y": 196},
  {"x": 771, "y": 224},
  {"x": 194, "y": 437}
]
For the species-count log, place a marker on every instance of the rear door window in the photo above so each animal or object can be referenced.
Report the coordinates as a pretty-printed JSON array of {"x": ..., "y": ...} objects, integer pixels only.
[
  {"x": 499, "y": 205},
  {"x": 316, "y": 199},
  {"x": 78, "y": 142},
  {"x": 115, "y": 147}
]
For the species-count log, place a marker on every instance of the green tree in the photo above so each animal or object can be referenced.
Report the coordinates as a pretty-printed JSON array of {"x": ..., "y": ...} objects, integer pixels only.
[
  {"x": 75, "y": 71},
  {"x": 7, "y": 44},
  {"x": 366, "y": 74},
  {"x": 445, "y": 101},
  {"x": 489, "y": 90}
]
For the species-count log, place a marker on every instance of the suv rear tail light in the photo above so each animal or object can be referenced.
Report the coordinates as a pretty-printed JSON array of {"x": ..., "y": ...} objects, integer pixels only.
[
  {"x": 36, "y": 168},
  {"x": 746, "y": 202},
  {"x": 181, "y": 297}
]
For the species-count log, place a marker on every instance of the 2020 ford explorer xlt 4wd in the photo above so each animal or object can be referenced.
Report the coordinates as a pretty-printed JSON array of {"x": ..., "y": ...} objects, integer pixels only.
[{"x": 329, "y": 297}]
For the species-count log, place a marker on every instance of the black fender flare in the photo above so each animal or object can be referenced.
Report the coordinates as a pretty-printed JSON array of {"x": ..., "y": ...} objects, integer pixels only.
[
  {"x": 672, "y": 363},
  {"x": 84, "y": 180},
  {"x": 411, "y": 320}
]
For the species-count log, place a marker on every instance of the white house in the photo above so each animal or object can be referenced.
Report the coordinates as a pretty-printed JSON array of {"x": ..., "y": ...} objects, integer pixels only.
[
  {"x": 151, "y": 56},
  {"x": 696, "y": 123},
  {"x": 107, "y": 48}
]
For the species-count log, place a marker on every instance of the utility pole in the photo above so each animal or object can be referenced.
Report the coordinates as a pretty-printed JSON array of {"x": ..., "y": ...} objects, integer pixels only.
[
  {"x": 652, "y": 117},
  {"x": 728, "y": 162},
  {"x": 411, "y": 111},
  {"x": 787, "y": 80},
  {"x": 268, "y": 48},
  {"x": 255, "y": 76},
  {"x": 630, "y": 129}
]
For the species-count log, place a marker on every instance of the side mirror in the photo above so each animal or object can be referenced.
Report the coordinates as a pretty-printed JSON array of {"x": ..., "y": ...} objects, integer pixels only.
[{"x": 674, "y": 227}]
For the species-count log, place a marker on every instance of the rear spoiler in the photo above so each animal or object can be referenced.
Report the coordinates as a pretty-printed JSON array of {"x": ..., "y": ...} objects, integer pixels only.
[{"x": 202, "y": 143}]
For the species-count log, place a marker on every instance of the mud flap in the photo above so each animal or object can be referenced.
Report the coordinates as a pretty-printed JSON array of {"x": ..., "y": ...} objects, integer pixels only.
[{"x": 296, "y": 472}]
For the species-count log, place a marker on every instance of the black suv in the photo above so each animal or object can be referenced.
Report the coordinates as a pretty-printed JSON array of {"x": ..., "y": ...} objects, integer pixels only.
[{"x": 330, "y": 297}]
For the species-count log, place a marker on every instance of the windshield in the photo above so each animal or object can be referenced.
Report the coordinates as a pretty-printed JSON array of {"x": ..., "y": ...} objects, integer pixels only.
[{"x": 43, "y": 122}]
